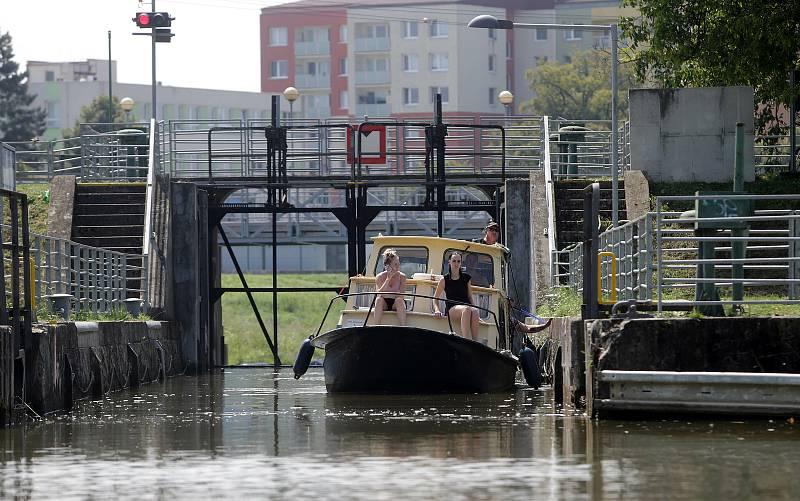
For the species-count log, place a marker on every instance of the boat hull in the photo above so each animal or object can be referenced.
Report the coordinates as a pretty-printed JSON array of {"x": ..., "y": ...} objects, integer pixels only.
[{"x": 391, "y": 359}]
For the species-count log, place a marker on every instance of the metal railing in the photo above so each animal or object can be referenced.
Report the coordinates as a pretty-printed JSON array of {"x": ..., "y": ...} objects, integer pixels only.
[
  {"x": 657, "y": 256},
  {"x": 98, "y": 280},
  {"x": 582, "y": 148}
]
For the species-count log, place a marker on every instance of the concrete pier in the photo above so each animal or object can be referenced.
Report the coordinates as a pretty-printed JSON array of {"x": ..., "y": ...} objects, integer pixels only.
[
  {"x": 76, "y": 360},
  {"x": 748, "y": 365}
]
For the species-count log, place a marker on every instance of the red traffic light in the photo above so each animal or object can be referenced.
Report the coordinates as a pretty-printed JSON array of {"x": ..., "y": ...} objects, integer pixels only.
[{"x": 153, "y": 20}]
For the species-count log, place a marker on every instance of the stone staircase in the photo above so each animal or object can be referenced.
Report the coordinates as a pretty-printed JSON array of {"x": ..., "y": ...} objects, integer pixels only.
[
  {"x": 111, "y": 216},
  {"x": 569, "y": 208}
]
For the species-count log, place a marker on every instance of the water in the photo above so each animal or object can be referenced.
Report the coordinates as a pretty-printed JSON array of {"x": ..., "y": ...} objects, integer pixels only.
[{"x": 261, "y": 434}]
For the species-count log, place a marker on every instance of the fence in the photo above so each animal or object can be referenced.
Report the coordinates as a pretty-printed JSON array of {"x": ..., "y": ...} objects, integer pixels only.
[
  {"x": 657, "y": 255},
  {"x": 98, "y": 280},
  {"x": 15, "y": 287}
]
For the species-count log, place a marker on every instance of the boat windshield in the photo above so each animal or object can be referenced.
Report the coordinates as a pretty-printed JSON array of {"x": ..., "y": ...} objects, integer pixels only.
[
  {"x": 478, "y": 265},
  {"x": 412, "y": 260}
]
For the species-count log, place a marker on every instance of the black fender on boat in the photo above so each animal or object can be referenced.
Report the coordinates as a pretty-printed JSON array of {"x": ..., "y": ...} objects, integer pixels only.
[
  {"x": 303, "y": 359},
  {"x": 529, "y": 363}
]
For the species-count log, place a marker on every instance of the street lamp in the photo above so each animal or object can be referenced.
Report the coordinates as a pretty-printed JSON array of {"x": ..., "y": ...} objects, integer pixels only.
[
  {"x": 491, "y": 22},
  {"x": 506, "y": 98},
  {"x": 291, "y": 94},
  {"x": 126, "y": 104}
]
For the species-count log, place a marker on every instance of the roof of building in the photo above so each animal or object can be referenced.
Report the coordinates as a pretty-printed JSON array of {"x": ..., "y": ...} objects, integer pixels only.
[{"x": 334, "y": 4}]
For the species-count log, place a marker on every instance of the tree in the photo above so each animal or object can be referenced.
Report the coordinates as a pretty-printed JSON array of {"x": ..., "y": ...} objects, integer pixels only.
[
  {"x": 96, "y": 112},
  {"x": 580, "y": 89},
  {"x": 702, "y": 43},
  {"x": 19, "y": 121}
]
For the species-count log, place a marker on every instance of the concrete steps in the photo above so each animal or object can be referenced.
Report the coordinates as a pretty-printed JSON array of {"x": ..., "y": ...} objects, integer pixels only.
[
  {"x": 111, "y": 216},
  {"x": 569, "y": 208}
]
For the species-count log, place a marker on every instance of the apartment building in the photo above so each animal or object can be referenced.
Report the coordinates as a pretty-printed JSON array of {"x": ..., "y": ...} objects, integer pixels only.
[
  {"x": 63, "y": 88},
  {"x": 390, "y": 57}
]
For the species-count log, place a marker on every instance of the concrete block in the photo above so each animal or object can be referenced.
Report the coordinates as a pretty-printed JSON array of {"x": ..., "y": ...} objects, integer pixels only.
[
  {"x": 637, "y": 194},
  {"x": 62, "y": 201}
]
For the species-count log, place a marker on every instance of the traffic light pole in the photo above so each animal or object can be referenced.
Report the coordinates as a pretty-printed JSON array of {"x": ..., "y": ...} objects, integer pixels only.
[{"x": 154, "y": 114}]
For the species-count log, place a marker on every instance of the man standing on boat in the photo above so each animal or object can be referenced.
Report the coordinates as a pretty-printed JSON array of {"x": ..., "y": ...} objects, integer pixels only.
[
  {"x": 491, "y": 234},
  {"x": 391, "y": 280}
]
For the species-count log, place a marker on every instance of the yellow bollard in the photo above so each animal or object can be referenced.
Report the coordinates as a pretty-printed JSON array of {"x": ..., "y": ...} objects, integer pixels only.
[{"x": 600, "y": 256}]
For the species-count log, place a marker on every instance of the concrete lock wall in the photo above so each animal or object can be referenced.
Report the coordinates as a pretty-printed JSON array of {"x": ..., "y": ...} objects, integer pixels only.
[
  {"x": 689, "y": 134},
  {"x": 71, "y": 361}
]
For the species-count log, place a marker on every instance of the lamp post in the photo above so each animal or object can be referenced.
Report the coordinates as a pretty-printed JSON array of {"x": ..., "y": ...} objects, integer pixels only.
[
  {"x": 491, "y": 22},
  {"x": 291, "y": 94},
  {"x": 126, "y": 104},
  {"x": 506, "y": 98}
]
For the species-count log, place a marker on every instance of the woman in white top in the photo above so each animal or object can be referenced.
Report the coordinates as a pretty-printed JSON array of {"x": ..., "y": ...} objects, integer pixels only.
[{"x": 390, "y": 284}]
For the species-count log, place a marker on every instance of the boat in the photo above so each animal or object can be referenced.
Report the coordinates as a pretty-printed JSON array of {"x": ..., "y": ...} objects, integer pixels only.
[{"x": 428, "y": 355}]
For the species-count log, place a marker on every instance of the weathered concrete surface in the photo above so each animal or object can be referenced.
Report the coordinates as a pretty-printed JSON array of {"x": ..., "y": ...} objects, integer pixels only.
[
  {"x": 637, "y": 194},
  {"x": 768, "y": 344},
  {"x": 62, "y": 201},
  {"x": 6, "y": 374},
  {"x": 562, "y": 358},
  {"x": 159, "y": 294},
  {"x": 540, "y": 253},
  {"x": 77, "y": 360},
  {"x": 517, "y": 236},
  {"x": 689, "y": 134}
]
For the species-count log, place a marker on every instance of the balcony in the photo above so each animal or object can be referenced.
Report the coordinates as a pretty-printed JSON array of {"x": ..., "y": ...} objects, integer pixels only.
[
  {"x": 312, "y": 48},
  {"x": 303, "y": 81},
  {"x": 373, "y": 110},
  {"x": 372, "y": 44},
  {"x": 321, "y": 112},
  {"x": 372, "y": 77}
]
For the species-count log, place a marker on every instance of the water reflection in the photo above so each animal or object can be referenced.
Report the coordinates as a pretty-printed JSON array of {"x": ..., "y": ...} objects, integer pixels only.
[{"x": 261, "y": 433}]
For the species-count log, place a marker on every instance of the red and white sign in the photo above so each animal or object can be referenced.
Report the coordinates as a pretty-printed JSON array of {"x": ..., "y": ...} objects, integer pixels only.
[{"x": 373, "y": 144}]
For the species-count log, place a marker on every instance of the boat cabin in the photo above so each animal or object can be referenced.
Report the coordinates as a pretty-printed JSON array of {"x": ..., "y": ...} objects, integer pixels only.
[{"x": 424, "y": 260}]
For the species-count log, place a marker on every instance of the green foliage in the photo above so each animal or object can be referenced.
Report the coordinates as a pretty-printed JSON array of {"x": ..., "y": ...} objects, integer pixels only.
[
  {"x": 580, "y": 89},
  {"x": 18, "y": 120},
  {"x": 96, "y": 112},
  {"x": 37, "y": 206},
  {"x": 705, "y": 43},
  {"x": 116, "y": 314},
  {"x": 299, "y": 315},
  {"x": 561, "y": 302}
]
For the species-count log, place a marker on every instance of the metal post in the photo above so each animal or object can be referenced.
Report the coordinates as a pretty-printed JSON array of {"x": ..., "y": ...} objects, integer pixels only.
[
  {"x": 738, "y": 159},
  {"x": 110, "y": 102},
  {"x": 153, "y": 114},
  {"x": 738, "y": 247},
  {"x": 591, "y": 210},
  {"x": 614, "y": 153},
  {"x": 792, "y": 121}
]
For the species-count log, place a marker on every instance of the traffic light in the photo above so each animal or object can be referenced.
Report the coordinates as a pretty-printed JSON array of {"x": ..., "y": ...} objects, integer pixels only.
[{"x": 153, "y": 20}]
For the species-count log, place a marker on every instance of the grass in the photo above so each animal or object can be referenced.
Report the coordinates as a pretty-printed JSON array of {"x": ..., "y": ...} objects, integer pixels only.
[
  {"x": 37, "y": 205},
  {"x": 299, "y": 315}
]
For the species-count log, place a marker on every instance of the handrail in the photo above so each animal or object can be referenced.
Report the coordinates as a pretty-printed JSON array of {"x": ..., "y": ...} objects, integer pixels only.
[
  {"x": 600, "y": 256},
  {"x": 345, "y": 296},
  {"x": 549, "y": 193}
]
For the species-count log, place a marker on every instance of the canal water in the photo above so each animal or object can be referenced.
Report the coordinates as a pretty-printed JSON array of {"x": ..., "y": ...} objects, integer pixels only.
[{"x": 258, "y": 433}]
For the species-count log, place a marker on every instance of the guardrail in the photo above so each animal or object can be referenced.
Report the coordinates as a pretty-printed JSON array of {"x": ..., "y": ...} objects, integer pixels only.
[
  {"x": 658, "y": 256},
  {"x": 98, "y": 280}
]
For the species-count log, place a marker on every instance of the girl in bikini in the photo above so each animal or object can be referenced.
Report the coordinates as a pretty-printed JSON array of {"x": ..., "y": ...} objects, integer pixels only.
[{"x": 390, "y": 285}]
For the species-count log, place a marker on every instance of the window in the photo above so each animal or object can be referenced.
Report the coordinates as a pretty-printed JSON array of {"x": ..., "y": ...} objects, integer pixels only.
[
  {"x": 573, "y": 34},
  {"x": 492, "y": 34},
  {"x": 410, "y": 29},
  {"x": 343, "y": 66},
  {"x": 344, "y": 100},
  {"x": 343, "y": 33},
  {"x": 491, "y": 62},
  {"x": 492, "y": 95},
  {"x": 410, "y": 95},
  {"x": 410, "y": 62},
  {"x": 279, "y": 69},
  {"x": 373, "y": 97},
  {"x": 278, "y": 37},
  {"x": 412, "y": 260},
  {"x": 52, "y": 114},
  {"x": 444, "y": 91},
  {"x": 438, "y": 29},
  {"x": 372, "y": 64},
  {"x": 49, "y": 76},
  {"x": 478, "y": 265},
  {"x": 381, "y": 31},
  {"x": 541, "y": 34},
  {"x": 439, "y": 62}
]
